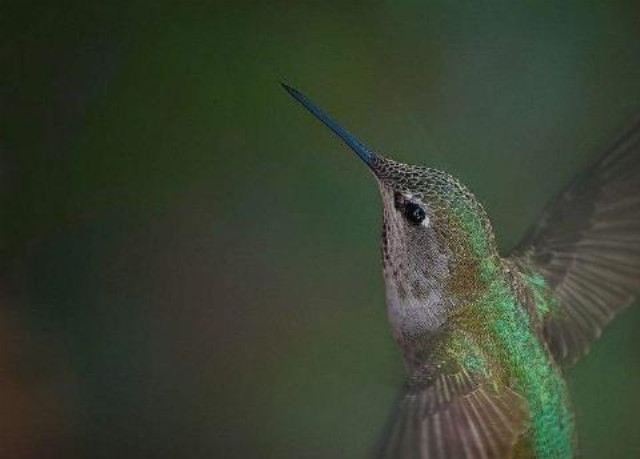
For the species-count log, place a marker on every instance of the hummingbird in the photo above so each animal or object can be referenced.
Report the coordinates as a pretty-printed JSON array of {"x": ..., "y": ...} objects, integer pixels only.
[{"x": 487, "y": 337}]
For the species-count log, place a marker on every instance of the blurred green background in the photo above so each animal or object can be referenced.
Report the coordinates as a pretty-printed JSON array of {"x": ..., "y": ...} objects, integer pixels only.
[{"x": 190, "y": 262}]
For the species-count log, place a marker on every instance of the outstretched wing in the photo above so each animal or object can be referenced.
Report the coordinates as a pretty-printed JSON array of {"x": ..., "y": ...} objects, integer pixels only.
[
  {"x": 454, "y": 416},
  {"x": 587, "y": 247}
]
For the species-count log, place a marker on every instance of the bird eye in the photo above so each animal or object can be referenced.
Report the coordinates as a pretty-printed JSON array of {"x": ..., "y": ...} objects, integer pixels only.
[{"x": 414, "y": 213}]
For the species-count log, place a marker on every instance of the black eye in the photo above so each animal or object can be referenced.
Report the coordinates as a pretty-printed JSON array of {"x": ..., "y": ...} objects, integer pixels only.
[{"x": 414, "y": 213}]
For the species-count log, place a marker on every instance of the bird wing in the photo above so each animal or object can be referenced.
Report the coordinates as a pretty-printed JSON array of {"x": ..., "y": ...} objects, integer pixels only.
[
  {"x": 455, "y": 415},
  {"x": 586, "y": 246}
]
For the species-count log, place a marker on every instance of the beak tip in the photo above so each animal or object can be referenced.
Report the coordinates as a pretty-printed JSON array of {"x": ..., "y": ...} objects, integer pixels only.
[{"x": 291, "y": 90}]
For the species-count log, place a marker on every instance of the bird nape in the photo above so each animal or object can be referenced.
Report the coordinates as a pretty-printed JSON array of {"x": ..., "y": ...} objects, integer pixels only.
[{"x": 486, "y": 338}]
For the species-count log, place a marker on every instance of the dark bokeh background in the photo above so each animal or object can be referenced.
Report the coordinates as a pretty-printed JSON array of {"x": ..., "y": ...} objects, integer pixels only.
[{"x": 190, "y": 263}]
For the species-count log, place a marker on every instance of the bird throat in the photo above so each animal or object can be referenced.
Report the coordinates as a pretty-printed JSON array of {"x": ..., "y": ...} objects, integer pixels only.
[{"x": 416, "y": 280}]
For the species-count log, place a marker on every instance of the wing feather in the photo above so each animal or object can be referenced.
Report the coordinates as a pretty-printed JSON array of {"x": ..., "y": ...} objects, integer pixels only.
[
  {"x": 455, "y": 415},
  {"x": 587, "y": 247}
]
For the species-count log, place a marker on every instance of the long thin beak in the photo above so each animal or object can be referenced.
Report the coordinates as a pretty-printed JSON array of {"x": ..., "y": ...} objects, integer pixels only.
[{"x": 352, "y": 142}]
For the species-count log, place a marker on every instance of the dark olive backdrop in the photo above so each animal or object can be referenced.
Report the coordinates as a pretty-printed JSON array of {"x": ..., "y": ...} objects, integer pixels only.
[{"x": 191, "y": 262}]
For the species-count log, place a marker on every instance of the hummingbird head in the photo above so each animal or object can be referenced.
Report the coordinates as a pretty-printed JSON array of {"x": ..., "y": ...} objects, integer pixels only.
[
  {"x": 437, "y": 238},
  {"x": 437, "y": 244}
]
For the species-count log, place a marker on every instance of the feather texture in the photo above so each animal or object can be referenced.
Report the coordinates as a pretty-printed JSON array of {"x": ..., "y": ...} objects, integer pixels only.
[
  {"x": 456, "y": 416},
  {"x": 587, "y": 247}
]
